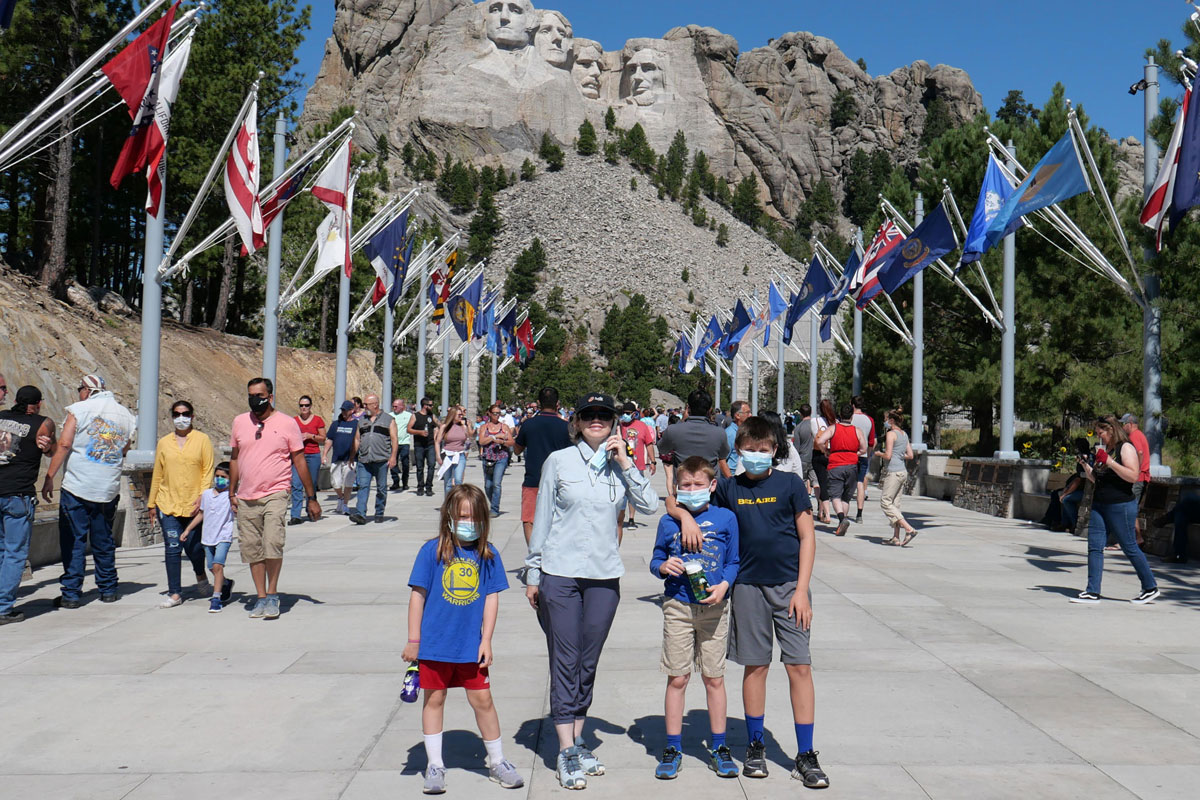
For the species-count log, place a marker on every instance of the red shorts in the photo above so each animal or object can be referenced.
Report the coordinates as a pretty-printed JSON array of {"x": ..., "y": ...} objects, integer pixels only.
[
  {"x": 528, "y": 503},
  {"x": 448, "y": 675}
]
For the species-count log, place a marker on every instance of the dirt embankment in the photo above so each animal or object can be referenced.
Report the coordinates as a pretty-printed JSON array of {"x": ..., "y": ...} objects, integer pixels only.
[{"x": 50, "y": 344}]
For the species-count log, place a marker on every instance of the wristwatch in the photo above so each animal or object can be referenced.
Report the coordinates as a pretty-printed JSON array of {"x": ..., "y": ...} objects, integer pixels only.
[{"x": 312, "y": 497}]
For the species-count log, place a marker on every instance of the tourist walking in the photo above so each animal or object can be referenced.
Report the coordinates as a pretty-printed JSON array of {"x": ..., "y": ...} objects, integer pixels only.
[
  {"x": 451, "y": 618},
  {"x": 1129, "y": 423},
  {"x": 215, "y": 520},
  {"x": 866, "y": 424},
  {"x": 377, "y": 445},
  {"x": 897, "y": 452},
  {"x": 450, "y": 441},
  {"x": 1114, "y": 509},
  {"x": 341, "y": 448},
  {"x": 787, "y": 459},
  {"x": 846, "y": 443},
  {"x": 421, "y": 428},
  {"x": 402, "y": 415},
  {"x": 739, "y": 412},
  {"x": 95, "y": 438},
  {"x": 312, "y": 433},
  {"x": 495, "y": 442},
  {"x": 266, "y": 447},
  {"x": 540, "y": 435},
  {"x": 695, "y": 435},
  {"x": 183, "y": 469},
  {"x": 639, "y": 440},
  {"x": 824, "y": 418},
  {"x": 21, "y": 428},
  {"x": 574, "y": 567},
  {"x": 803, "y": 437}
]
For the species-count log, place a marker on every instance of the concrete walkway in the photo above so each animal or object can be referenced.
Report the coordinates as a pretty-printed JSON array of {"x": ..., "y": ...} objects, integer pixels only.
[{"x": 953, "y": 669}]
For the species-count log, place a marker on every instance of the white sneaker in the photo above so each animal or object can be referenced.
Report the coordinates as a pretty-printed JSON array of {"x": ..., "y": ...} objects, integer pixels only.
[{"x": 170, "y": 601}]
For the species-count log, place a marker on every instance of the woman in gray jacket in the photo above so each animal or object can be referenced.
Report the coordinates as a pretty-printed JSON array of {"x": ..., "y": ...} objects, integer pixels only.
[{"x": 574, "y": 567}]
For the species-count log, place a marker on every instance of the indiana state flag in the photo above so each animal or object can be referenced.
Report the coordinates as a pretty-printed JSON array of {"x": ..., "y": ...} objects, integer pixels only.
[
  {"x": 464, "y": 307},
  {"x": 992, "y": 196},
  {"x": 735, "y": 331},
  {"x": 1057, "y": 177},
  {"x": 814, "y": 289},
  {"x": 842, "y": 287},
  {"x": 928, "y": 242}
]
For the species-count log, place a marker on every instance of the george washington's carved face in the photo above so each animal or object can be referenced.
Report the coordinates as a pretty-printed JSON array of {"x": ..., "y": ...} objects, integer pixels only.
[{"x": 508, "y": 22}]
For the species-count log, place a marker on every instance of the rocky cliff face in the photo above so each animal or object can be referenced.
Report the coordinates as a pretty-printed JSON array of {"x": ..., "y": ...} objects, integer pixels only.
[{"x": 484, "y": 81}]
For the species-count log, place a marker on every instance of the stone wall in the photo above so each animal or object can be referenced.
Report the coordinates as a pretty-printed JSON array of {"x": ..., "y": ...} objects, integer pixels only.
[{"x": 1159, "y": 498}]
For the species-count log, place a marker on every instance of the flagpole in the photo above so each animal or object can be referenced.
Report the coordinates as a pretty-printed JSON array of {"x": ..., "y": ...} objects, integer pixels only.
[
  {"x": 917, "y": 437},
  {"x": 445, "y": 374},
  {"x": 343, "y": 325},
  {"x": 857, "y": 379},
  {"x": 717, "y": 380},
  {"x": 148, "y": 376},
  {"x": 1151, "y": 310},
  {"x": 779, "y": 370},
  {"x": 814, "y": 333},
  {"x": 466, "y": 367},
  {"x": 274, "y": 251},
  {"x": 1008, "y": 341},
  {"x": 422, "y": 332},
  {"x": 733, "y": 380},
  {"x": 495, "y": 360}
]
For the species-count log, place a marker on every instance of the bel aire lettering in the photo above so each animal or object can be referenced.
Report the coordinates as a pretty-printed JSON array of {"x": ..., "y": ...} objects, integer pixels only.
[{"x": 755, "y": 501}]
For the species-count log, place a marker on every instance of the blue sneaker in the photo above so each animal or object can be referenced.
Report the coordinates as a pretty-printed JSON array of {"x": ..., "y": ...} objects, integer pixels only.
[
  {"x": 720, "y": 761},
  {"x": 668, "y": 764},
  {"x": 214, "y": 605}
]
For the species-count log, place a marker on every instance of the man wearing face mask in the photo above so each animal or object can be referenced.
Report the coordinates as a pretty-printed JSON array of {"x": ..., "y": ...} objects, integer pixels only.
[
  {"x": 266, "y": 447},
  {"x": 640, "y": 441}
]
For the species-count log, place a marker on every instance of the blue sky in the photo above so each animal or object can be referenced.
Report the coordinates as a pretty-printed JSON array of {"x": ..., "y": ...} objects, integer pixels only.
[{"x": 1095, "y": 49}]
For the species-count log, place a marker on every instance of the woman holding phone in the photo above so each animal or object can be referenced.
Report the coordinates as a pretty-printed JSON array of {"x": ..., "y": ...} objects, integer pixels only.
[
  {"x": 574, "y": 566},
  {"x": 1114, "y": 509}
]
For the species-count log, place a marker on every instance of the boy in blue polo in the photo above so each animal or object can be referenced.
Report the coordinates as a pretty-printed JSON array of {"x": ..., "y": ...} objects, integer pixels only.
[{"x": 696, "y": 630}]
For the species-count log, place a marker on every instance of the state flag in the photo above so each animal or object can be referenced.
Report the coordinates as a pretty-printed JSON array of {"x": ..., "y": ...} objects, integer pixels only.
[{"x": 928, "y": 242}]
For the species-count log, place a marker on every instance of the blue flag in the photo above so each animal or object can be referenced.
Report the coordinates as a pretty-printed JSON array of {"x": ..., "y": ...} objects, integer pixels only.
[
  {"x": 712, "y": 335},
  {"x": 814, "y": 289},
  {"x": 735, "y": 331},
  {"x": 1187, "y": 174},
  {"x": 6, "y": 12},
  {"x": 839, "y": 292},
  {"x": 928, "y": 242},
  {"x": 1057, "y": 177},
  {"x": 464, "y": 307},
  {"x": 992, "y": 196},
  {"x": 388, "y": 251},
  {"x": 506, "y": 333},
  {"x": 776, "y": 306},
  {"x": 826, "y": 328},
  {"x": 683, "y": 350},
  {"x": 485, "y": 321}
]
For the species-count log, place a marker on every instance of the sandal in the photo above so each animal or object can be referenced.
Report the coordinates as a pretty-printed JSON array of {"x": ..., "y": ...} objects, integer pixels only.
[
  {"x": 909, "y": 538},
  {"x": 895, "y": 540}
]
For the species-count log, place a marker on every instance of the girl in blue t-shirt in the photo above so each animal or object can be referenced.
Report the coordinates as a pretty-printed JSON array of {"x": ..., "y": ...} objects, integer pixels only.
[{"x": 455, "y": 583}]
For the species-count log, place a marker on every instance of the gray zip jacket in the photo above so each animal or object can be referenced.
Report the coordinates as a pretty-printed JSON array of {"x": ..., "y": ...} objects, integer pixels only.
[{"x": 575, "y": 521}]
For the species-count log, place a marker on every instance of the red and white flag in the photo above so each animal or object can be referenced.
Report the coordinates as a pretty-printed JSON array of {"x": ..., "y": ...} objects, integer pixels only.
[
  {"x": 1154, "y": 214},
  {"x": 242, "y": 170},
  {"x": 866, "y": 282},
  {"x": 332, "y": 188},
  {"x": 136, "y": 73},
  {"x": 168, "y": 90}
]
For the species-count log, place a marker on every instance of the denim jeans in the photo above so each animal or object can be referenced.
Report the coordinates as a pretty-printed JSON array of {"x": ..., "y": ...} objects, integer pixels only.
[
  {"x": 366, "y": 472},
  {"x": 81, "y": 522},
  {"x": 493, "y": 475},
  {"x": 400, "y": 471},
  {"x": 172, "y": 527},
  {"x": 314, "y": 470},
  {"x": 1070, "y": 508},
  {"x": 1116, "y": 518},
  {"x": 16, "y": 526},
  {"x": 424, "y": 463},
  {"x": 454, "y": 475}
]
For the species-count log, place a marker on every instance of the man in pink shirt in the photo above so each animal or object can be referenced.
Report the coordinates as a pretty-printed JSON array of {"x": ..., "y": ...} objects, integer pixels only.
[
  {"x": 1138, "y": 439},
  {"x": 640, "y": 442},
  {"x": 266, "y": 447}
]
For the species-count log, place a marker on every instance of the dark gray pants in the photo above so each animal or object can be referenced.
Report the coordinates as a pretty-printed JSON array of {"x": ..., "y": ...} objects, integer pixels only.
[{"x": 578, "y": 613}]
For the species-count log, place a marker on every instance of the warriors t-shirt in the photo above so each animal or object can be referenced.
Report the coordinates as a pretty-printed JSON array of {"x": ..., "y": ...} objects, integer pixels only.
[
  {"x": 766, "y": 512},
  {"x": 452, "y": 623}
]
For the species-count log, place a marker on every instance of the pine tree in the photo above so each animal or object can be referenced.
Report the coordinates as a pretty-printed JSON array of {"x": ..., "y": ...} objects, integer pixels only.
[
  {"x": 483, "y": 228},
  {"x": 523, "y": 277},
  {"x": 722, "y": 235},
  {"x": 551, "y": 153},
  {"x": 528, "y": 170},
  {"x": 586, "y": 144},
  {"x": 610, "y": 120},
  {"x": 745, "y": 201},
  {"x": 612, "y": 153},
  {"x": 675, "y": 165}
]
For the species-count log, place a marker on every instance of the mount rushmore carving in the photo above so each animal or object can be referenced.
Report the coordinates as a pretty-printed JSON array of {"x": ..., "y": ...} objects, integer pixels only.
[{"x": 483, "y": 82}]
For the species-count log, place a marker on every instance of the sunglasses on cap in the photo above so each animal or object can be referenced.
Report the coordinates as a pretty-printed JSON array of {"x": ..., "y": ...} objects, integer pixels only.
[{"x": 590, "y": 414}]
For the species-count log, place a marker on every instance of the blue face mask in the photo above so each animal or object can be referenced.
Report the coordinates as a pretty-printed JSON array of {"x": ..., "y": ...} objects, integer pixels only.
[
  {"x": 465, "y": 531},
  {"x": 693, "y": 500},
  {"x": 599, "y": 459},
  {"x": 887, "y": 425},
  {"x": 756, "y": 463},
  {"x": 221, "y": 483},
  {"x": 627, "y": 418}
]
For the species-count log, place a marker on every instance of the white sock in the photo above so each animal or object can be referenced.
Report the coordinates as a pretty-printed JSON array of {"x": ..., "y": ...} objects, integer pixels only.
[
  {"x": 495, "y": 750},
  {"x": 433, "y": 749}
]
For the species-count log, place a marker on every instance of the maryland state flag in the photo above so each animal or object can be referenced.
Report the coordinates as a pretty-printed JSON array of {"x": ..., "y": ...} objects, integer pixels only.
[
  {"x": 525, "y": 348},
  {"x": 439, "y": 286}
]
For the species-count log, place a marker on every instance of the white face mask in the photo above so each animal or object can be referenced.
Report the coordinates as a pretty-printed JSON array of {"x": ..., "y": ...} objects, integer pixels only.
[{"x": 183, "y": 423}]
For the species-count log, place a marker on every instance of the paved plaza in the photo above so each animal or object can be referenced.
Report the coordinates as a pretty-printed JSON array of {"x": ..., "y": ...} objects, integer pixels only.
[{"x": 954, "y": 669}]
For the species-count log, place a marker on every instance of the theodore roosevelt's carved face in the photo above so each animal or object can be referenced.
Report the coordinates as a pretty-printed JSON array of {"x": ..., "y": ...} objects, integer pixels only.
[
  {"x": 554, "y": 38},
  {"x": 508, "y": 22},
  {"x": 587, "y": 71}
]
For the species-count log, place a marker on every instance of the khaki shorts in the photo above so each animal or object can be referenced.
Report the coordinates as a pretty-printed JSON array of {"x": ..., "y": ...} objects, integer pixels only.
[
  {"x": 528, "y": 503},
  {"x": 341, "y": 475},
  {"x": 262, "y": 524},
  {"x": 694, "y": 635}
]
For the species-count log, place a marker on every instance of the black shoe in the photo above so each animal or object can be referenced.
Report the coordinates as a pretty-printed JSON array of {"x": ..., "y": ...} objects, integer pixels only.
[
  {"x": 64, "y": 602},
  {"x": 111, "y": 597},
  {"x": 378, "y": 518},
  {"x": 226, "y": 590},
  {"x": 358, "y": 519},
  {"x": 295, "y": 521},
  {"x": 808, "y": 770},
  {"x": 395, "y": 487},
  {"x": 404, "y": 487},
  {"x": 755, "y": 765},
  {"x": 10, "y": 617}
]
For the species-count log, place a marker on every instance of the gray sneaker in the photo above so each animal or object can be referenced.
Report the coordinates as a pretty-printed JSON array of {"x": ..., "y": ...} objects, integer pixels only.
[
  {"x": 272, "y": 610},
  {"x": 435, "y": 780},
  {"x": 592, "y": 766},
  {"x": 259, "y": 609},
  {"x": 505, "y": 774},
  {"x": 570, "y": 771}
]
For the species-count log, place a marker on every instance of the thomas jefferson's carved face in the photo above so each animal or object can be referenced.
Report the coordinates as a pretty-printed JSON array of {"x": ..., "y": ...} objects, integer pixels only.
[
  {"x": 508, "y": 22},
  {"x": 553, "y": 38}
]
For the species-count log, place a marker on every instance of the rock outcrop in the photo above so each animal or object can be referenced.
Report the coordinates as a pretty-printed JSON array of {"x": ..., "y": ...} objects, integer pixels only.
[{"x": 484, "y": 81}]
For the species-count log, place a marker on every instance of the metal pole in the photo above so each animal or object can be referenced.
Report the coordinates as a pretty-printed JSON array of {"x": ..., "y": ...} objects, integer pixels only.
[
  {"x": 1008, "y": 341},
  {"x": 1152, "y": 314},
  {"x": 343, "y": 338},
  {"x": 492, "y": 396},
  {"x": 717, "y": 383},
  {"x": 779, "y": 369},
  {"x": 445, "y": 374},
  {"x": 733, "y": 380},
  {"x": 814, "y": 389},
  {"x": 918, "y": 332},
  {"x": 147, "y": 411},
  {"x": 856, "y": 381},
  {"x": 466, "y": 375},
  {"x": 422, "y": 333},
  {"x": 389, "y": 325},
  {"x": 274, "y": 250}
]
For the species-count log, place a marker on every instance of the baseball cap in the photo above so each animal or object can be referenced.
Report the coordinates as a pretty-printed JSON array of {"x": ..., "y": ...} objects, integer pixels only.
[
  {"x": 28, "y": 395},
  {"x": 347, "y": 405},
  {"x": 93, "y": 382},
  {"x": 596, "y": 400},
  {"x": 1128, "y": 418},
  {"x": 629, "y": 408}
]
